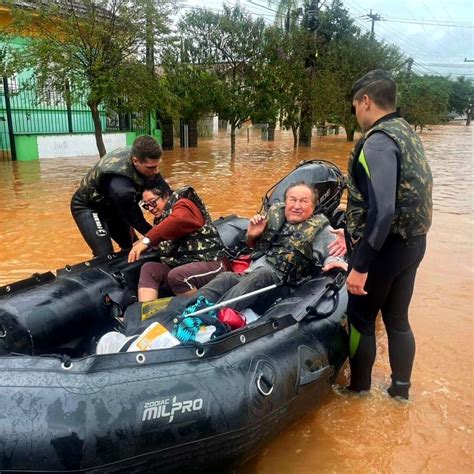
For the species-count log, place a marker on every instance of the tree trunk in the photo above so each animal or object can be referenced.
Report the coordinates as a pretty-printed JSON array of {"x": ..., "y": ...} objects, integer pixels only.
[
  {"x": 271, "y": 131},
  {"x": 193, "y": 133},
  {"x": 166, "y": 124},
  {"x": 350, "y": 132},
  {"x": 306, "y": 125},
  {"x": 232, "y": 138},
  {"x": 294, "y": 130},
  {"x": 94, "y": 106}
]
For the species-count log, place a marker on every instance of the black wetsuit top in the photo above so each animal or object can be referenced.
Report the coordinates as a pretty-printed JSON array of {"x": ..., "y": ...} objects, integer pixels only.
[
  {"x": 379, "y": 190},
  {"x": 122, "y": 192}
]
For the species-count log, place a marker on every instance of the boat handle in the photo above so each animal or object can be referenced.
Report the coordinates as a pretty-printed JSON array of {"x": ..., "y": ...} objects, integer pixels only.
[
  {"x": 200, "y": 351},
  {"x": 335, "y": 303},
  {"x": 259, "y": 385}
]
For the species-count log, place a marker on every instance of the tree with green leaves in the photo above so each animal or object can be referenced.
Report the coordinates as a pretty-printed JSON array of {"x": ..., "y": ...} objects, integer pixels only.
[
  {"x": 345, "y": 60},
  {"x": 96, "y": 46},
  {"x": 320, "y": 24},
  {"x": 192, "y": 87},
  {"x": 426, "y": 100},
  {"x": 286, "y": 84},
  {"x": 230, "y": 44},
  {"x": 461, "y": 95},
  {"x": 287, "y": 14},
  {"x": 269, "y": 83}
]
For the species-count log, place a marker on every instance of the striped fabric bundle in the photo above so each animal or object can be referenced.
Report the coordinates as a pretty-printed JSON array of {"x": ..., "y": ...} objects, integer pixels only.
[{"x": 187, "y": 327}]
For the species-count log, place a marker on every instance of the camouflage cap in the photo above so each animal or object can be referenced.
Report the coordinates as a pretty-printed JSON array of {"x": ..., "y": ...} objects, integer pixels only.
[{"x": 372, "y": 76}]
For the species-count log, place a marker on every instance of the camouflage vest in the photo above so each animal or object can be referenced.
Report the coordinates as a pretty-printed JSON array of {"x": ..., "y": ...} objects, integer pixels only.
[
  {"x": 288, "y": 245},
  {"x": 203, "y": 244},
  {"x": 116, "y": 162},
  {"x": 414, "y": 205}
]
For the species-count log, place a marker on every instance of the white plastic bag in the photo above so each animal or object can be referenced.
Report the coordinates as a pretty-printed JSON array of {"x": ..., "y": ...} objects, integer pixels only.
[{"x": 155, "y": 336}]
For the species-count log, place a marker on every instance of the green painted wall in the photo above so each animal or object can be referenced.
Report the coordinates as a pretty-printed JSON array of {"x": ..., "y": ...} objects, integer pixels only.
[
  {"x": 158, "y": 136},
  {"x": 26, "y": 147},
  {"x": 130, "y": 138}
]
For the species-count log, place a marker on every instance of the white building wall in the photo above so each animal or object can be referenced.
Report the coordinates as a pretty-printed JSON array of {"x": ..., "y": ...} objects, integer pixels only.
[{"x": 55, "y": 146}]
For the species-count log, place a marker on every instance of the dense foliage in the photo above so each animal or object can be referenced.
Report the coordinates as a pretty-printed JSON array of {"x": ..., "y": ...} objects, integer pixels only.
[
  {"x": 298, "y": 72},
  {"x": 98, "y": 46}
]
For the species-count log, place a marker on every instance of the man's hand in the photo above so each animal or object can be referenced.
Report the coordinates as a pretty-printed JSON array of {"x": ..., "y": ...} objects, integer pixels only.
[
  {"x": 335, "y": 264},
  {"x": 337, "y": 248},
  {"x": 355, "y": 282},
  {"x": 256, "y": 227},
  {"x": 138, "y": 248}
]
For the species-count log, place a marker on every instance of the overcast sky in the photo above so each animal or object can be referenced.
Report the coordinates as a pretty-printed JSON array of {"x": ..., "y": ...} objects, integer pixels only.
[{"x": 437, "y": 34}]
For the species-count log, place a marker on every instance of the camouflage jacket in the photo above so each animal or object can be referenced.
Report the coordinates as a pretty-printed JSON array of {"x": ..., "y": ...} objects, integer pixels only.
[
  {"x": 414, "y": 205},
  {"x": 203, "y": 244},
  {"x": 116, "y": 162},
  {"x": 288, "y": 245}
]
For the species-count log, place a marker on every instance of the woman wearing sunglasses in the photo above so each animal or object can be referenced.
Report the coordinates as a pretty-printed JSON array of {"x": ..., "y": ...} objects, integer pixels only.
[{"x": 191, "y": 251}]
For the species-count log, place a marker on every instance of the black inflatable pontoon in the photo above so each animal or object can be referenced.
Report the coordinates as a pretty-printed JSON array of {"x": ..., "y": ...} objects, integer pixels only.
[{"x": 183, "y": 409}]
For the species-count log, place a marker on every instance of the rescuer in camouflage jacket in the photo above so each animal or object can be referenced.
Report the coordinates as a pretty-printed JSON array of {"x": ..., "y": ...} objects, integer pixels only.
[
  {"x": 389, "y": 212},
  {"x": 289, "y": 238},
  {"x": 105, "y": 206},
  {"x": 191, "y": 251}
]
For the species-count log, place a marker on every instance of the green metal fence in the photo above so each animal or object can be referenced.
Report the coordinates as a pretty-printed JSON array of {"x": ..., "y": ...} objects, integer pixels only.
[{"x": 26, "y": 111}]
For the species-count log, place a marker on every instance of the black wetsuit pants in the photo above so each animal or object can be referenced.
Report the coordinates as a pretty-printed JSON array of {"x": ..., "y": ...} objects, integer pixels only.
[
  {"x": 389, "y": 287},
  {"x": 99, "y": 226}
]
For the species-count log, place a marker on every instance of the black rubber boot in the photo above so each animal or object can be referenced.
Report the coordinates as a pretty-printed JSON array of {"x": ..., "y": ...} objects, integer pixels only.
[
  {"x": 361, "y": 359},
  {"x": 401, "y": 351},
  {"x": 399, "y": 389}
]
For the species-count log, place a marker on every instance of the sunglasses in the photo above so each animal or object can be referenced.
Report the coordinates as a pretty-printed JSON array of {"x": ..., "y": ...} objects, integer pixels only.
[{"x": 149, "y": 205}]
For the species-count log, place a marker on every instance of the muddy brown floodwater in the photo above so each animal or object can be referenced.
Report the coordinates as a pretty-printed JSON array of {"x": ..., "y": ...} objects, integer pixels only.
[{"x": 431, "y": 433}]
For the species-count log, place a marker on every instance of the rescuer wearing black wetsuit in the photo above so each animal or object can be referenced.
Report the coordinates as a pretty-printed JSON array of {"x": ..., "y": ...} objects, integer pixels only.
[
  {"x": 388, "y": 215},
  {"x": 105, "y": 206}
]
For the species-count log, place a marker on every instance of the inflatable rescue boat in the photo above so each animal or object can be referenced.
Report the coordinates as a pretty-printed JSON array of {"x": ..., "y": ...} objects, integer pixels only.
[{"x": 181, "y": 409}]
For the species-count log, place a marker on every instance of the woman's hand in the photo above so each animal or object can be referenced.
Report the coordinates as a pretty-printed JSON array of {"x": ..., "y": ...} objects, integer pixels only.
[{"x": 138, "y": 248}]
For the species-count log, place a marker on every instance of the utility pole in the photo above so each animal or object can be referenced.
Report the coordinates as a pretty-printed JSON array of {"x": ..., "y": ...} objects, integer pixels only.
[
  {"x": 287, "y": 21},
  {"x": 8, "y": 109},
  {"x": 410, "y": 62},
  {"x": 374, "y": 17},
  {"x": 469, "y": 113},
  {"x": 150, "y": 37},
  {"x": 311, "y": 23},
  {"x": 312, "y": 13}
]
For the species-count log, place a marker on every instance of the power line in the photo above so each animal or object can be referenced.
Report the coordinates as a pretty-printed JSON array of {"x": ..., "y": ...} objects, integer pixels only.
[
  {"x": 449, "y": 65},
  {"x": 428, "y": 22},
  {"x": 221, "y": 10},
  {"x": 264, "y": 7},
  {"x": 445, "y": 10},
  {"x": 408, "y": 46}
]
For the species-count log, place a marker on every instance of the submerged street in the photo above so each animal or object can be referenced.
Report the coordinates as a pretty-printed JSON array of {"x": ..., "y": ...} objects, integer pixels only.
[{"x": 431, "y": 433}]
